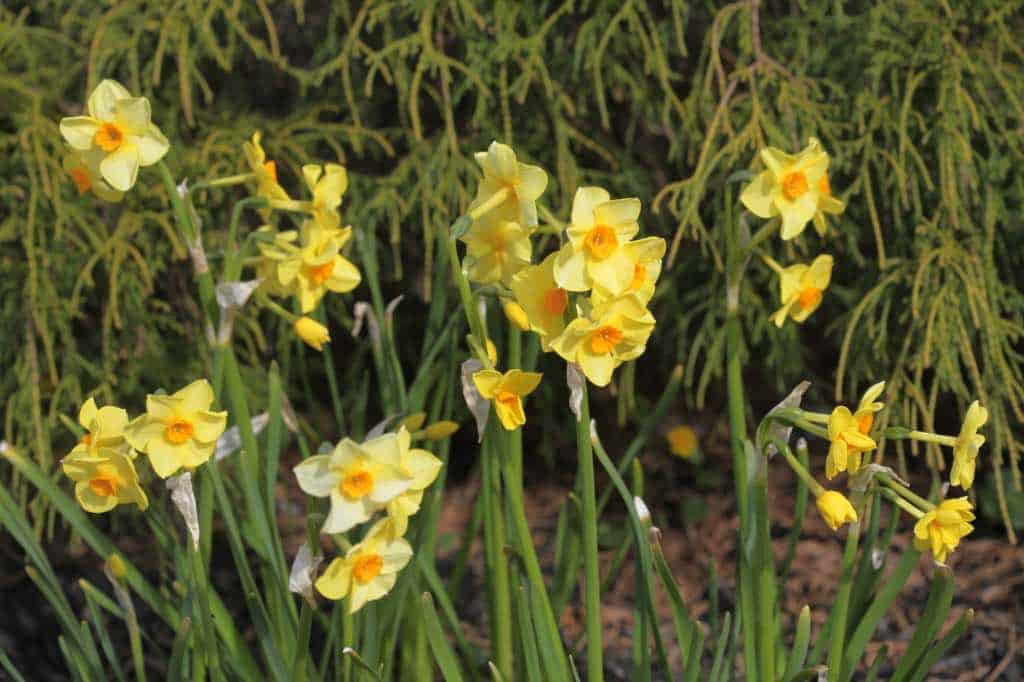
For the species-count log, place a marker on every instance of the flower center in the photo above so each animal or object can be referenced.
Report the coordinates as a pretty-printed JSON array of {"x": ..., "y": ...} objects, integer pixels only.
[
  {"x": 109, "y": 137},
  {"x": 80, "y": 176},
  {"x": 178, "y": 431},
  {"x": 865, "y": 423},
  {"x": 318, "y": 274},
  {"x": 86, "y": 439},
  {"x": 506, "y": 397},
  {"x": 605, "y": 339},
  {"x": 794, "y": 185},
  {"x": 639, "y": 277},
  {"x": 357, "y": 484},
  {"x": 271, "y": 169},
  {"x": 809, "y": 298},
  {"x": 824, "y": 187},
  {"x": 556, "y": 301},
  {"x": 600, "y": 242},
  {"x": 104, "y": 485},
  {"x": 367, "y": 567}
]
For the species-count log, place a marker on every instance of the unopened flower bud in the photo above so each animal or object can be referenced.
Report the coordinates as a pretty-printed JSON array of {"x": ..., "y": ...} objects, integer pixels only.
[
  {"x": 516, "y": 315},
  {"x": 116, "y": 565},
  {"x": 440, "y": 430},
  {"x": 312, "y": 332},
  {"x": 414, "y": 421}
]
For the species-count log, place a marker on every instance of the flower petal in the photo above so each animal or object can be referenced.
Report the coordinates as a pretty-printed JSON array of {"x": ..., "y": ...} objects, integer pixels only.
[
  {"x": 121, "y": 167},
  {"x": 79, "y": 131}
]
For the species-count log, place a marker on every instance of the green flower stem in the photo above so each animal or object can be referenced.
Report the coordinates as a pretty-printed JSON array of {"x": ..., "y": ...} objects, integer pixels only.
[
  {"x": 493, "y": 201},
  {"x": 494, "y": 546},
  {"x": 938, "y": 439},
  {"x": 226, "y": 181},
  {"x": 906, "y": 492},
  {"x": 208, "y": 634},
  {"x": 233, "y": 266},
  {"x": 275, "y": 308},
  {"x": 591, "y": 565},
  {"x": 816, "y": 488},
  {"x": 901, "y": 503},
  {"x": 472, "y": 314},
  {"x": 838, "y": 635}
]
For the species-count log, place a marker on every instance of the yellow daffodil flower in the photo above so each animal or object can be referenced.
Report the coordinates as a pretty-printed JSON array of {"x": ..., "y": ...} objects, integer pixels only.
[
  {"x": 264, "y": 171},
  {"x": 509, "y": 190},
  {"x": 424, "y": 468},
  {"x": 84, "y": 169},
  {"x": 942, "y": 528},
  {"x": 599, "y": 230},
  {"x": 104, "y": 479},
  {"x": 492, "y": 351},
  {"x": 316, "y": 267},
  {"x": 836, "y": 509},
  {"x": 682, "y": 441},
  {"x": 368, "y": 570},
  {"x": 868, "y": 407},
  {"x": 277, "y": 247},
  {"x": 359, "y": 478},
  {"x": 178, "y": 430},
  {"x": 849, "y": 442},
  {"x": 119, "y": 127},
  {"x": 327, "y": 184},
  {"x": 515, "y": 314},
  {"x": 507, "y": 392},
  {"x": 314, "y": 334},
  {"x": 496, "y": 250},
  {"x": 826, "y": 202},
  {"x": 801, "y": 287},
  {"x": 616, "y": 331},
  {"x": 968, "y": 442},
  {"x": 543, "y": 300},
  {"x": 795, "y": 187},
  {"x": 645, "y": 255},
  {"x": 104, "y": 428}
]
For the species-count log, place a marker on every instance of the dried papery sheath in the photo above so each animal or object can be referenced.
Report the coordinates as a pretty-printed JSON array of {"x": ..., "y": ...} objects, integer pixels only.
[
  {"x": 184, "y": 499},
  {"x": 776, "y": 430},
  {"x": 183, "y": 188},
  {"x": 198, "y": 255},
  {"x": 576, "y": 381},
  {"x": 478, "y": 406},
  {"x": 860, "y": 481},
  {"x": 231, "y": 440},
  {"x": 380, "y": 427},
  {"x": 231, "y": 296},
  {"x": 363, "y": 311},
  {"x": 642, "y": 512},
  {"x": 389, "y": 311},
  {"x": 300, "y": 580}
]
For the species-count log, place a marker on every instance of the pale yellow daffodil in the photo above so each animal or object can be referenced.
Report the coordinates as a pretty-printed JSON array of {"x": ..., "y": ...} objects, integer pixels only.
[
  {"x": 84, "y": 169},
  {"x": 595, "y": 253},
  {"x": 316, "y": 266},
  {"x": 836, "y": 509},
  {"x": 848, "y": 442},
  {"x": 424, "y": 468},
  {"x": 509, "y": 190},
  {"x": 942, "y": 528},
  {"x": 368, "y": 570},
  {"x": 793, "y": 187},
  {"x": 327, "y": 184},
  {"x": 496, "y": 250},
  {"x": 359, "y": 478},
  {"x": 616, "y": 331},
  {"x": 264, "y": 171},
  {"x": 542, "y": 299},
  {"x": 968, "y": 442},
  {"x": 178, "y": 430},
  {"x": 645, "y": 255},
  {"x": 801, "y": 287},
  {"x": 104, "y": 429},
  {"x": 104, "y": 478},
  {"x": 119, "y": 127},
  {"x": 507, "y": 392}
]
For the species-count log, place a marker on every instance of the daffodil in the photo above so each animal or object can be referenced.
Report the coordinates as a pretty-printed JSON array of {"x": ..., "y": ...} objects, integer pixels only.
[
  {"x": 801, "y": 287},
  {"x": 615, "y": 331},
  {"x": 104, "y": 428},
  {"x": 178, "y": 430},
  {"x": 836, "y": 509},
  {"x": 314, "y": 334},
  {"x": 509, "y": 190},
  {"x": 868, "y": 407},
  {"x": 317, "y": 266},
  {"x": 84, "y": 169},
  {"x": 118, "y": 126},
  {"x": 496, "y": 250},
  {"x": 682, "y": 441},
  {"x": 848, "y": 442},
  {"x": 794, "y": 187},
  {"x": 645, "y": 255},
  {"x": 359, "y": 478},
  {"x": 942, "y": 528},
  {"x": 368, "y": 570},
  {"x": 543, "y": 300},
  {"x": 515, "y": 314},
  {"x": 424, "y": 468},
  {"x": 327, "y": 184},
  {"x": 507, "y": 392},
  {"x": 274, "y": 247},
  {"x": 264, "y": 171},
  {"x": 968, "y": 442},
  {"x": 594, "y": 255},
  {"x": 104, "y": 479}
]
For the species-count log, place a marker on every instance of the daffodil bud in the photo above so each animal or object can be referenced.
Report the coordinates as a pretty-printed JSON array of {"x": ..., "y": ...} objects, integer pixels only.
[
  {"x": 414, "y": 421},
  {"x": 492, "y": 352},
  {"x": 312, "y": 332},
  {"x": 516, "y": 315},
  {"x": 116, "y": 565},
  {"x": 836, "y": 509},
  {"x": 440, "y": 430}
]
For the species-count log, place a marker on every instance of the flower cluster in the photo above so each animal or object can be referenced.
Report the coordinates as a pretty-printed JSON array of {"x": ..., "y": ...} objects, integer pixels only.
[
  {"x": 599, "y": 256},
  {"x": 381, "y": 474},
  {"x": 177, "y": 431}
]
